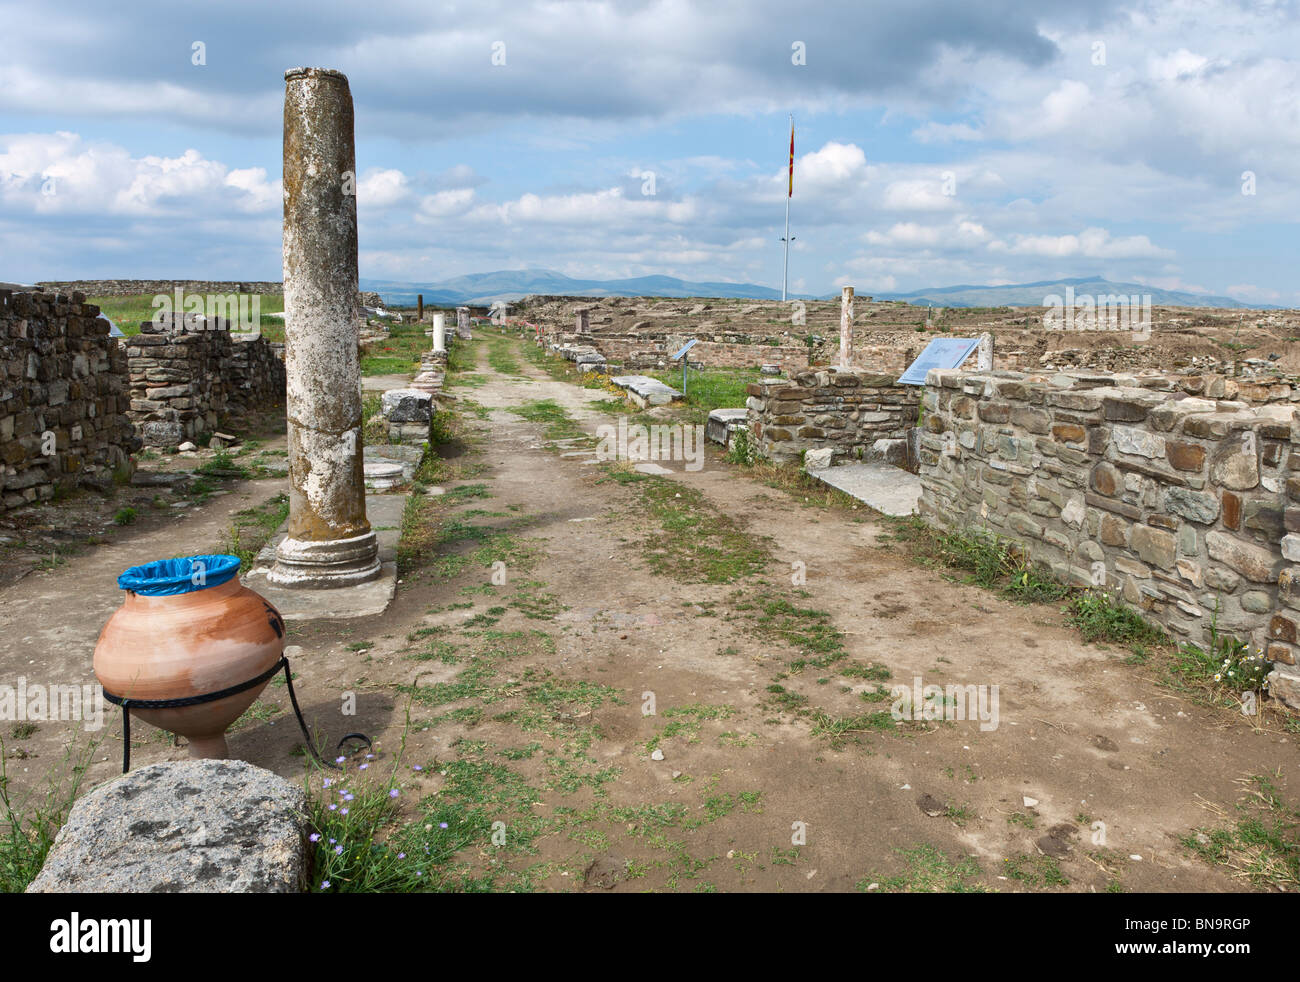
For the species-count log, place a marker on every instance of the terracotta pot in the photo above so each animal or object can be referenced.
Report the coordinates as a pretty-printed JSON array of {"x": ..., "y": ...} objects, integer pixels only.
[{"x": 173, "y": 638}]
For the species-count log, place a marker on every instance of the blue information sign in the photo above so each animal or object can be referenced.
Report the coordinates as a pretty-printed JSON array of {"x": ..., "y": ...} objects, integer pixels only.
[{"x": 939, "y": 353}]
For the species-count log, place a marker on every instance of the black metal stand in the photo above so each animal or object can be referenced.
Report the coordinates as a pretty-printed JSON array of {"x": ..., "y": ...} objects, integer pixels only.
[{"x": 128, "y": 704}]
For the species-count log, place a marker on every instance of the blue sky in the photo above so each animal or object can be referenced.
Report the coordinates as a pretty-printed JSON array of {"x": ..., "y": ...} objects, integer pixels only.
[{"x": 937, "y": 141}]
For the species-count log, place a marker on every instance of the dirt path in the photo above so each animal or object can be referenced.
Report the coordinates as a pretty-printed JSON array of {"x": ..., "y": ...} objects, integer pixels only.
[{"x": 528, "y": 699}]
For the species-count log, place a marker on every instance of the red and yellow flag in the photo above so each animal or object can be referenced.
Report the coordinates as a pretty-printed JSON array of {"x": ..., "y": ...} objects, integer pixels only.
[{"x": 791, "y": 192}]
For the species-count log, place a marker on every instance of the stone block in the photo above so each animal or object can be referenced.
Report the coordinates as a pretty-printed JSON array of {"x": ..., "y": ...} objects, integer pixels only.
[
  {"x": 407, "y": 406},
  {"x": 196, "y": 826},
  {"x": 1255, "y": 563}
]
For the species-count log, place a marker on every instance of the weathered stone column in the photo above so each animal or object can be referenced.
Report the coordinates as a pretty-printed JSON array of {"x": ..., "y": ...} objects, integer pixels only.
[
  {"x": 419, "y": 308},
  {"x": 582, "y": 322},
  {"x": 462, "y": 323},
  {"x": 846, "y": 327},
  {"x": 329, "y": 541},
  {"x": 439, "y": 332}
]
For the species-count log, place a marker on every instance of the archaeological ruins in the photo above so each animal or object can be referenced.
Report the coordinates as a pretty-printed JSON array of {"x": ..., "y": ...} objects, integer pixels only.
[{"x": 384, "y": 492}]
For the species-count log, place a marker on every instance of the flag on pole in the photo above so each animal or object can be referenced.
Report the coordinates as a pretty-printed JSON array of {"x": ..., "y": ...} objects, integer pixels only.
[{"x": 791, "y": 192}]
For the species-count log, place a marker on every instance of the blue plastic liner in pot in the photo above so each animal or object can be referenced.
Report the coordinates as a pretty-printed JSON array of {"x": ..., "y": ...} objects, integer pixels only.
[{"x": 172, "y": 577}]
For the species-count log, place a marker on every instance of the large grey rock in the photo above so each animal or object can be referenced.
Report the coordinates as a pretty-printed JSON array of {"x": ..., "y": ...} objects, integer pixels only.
[
  {"x": 195, "y": 826},
  {"x": 407, "y": 406}
]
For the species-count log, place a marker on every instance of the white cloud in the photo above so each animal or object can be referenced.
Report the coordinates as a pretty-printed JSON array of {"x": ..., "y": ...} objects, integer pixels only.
[
  {"x": 1091, "y": 243},
  {"x": 381, "y": 188},
  {"x": 60, "y": 174}
]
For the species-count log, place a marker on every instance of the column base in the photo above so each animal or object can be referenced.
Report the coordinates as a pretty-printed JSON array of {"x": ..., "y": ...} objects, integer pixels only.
[{"x": 304, "y": 565}]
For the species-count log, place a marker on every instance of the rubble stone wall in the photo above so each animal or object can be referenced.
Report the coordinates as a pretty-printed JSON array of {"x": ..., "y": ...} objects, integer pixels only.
[
  {"x": 63, "y": 398},
  {"x": 847, "y": 411},
  {"x": 186, "y": 372},
  {"x": 1174, "y": 493},
  {"x": 131, "y": 288}
]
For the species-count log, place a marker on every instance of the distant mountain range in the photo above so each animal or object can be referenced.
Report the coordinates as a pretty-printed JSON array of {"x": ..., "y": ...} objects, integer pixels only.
[
  {"x": 1032, "y": 295},
  {"x": 512, "y": 284}
]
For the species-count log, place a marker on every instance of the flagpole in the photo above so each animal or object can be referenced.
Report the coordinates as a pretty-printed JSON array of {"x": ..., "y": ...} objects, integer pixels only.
[{"x": 785, "y": 273}]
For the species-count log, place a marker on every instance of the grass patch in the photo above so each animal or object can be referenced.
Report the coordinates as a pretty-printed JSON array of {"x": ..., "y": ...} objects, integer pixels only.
[
  {"x": 989, "y": 560},
  {"x": 710, "y": 388},
  {"x": 1260, "y": 844},
  {"x": 130, "y": 311},
  {"x": 252, "y": 528},
  {"x": 928, "y": 871},
  {"x": 1102, "y": 617},
  {"x": 28, "y": 825},
  {"x": 1035, "y": 870},
  {"x": 501, "y": 356},
  {"x": 696, "y": 543},
  {"x": 397, "y": 354},
  {"x": 559, "y": 425}
]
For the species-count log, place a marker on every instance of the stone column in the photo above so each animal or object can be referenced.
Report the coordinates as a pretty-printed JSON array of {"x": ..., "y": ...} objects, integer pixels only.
[
  {"x": 419, "y": 308},
  {"x": 582, "y": 322},
  {"x": 439, "y": 332},
  {"x": 984, "y": 353},
  {"x": 462, "y": 323},
  {"x": 329, "y": 542},
  {"x": 846, "y": 327}
]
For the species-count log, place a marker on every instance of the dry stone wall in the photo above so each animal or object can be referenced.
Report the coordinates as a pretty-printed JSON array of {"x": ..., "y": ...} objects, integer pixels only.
[
  {"x": 846, "y": 411},
  {"x": 63, "y": 398},
  {"x": 1172, "y": 492},
  {"x": 186, "y": 372},
  {"x": 132, "y": 288}
]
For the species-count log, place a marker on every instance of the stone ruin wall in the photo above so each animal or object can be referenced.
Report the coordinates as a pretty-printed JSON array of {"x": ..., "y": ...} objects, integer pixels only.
[
  {"x": 62, "y": 375},
  {"x": 638, "y": 352},
  {"x": 131, "y": 288},
  {"x": 846, "y": 411},
  {"x": 134, "y": 288},
  {"x": 187, "y": 372},
  {"x": 1180, "y": 494}
]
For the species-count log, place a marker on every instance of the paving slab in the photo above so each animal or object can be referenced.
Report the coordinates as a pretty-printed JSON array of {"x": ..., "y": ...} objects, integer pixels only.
[
  {"x": 890, "y": 490},
  {"x": 646, "y": 391}
]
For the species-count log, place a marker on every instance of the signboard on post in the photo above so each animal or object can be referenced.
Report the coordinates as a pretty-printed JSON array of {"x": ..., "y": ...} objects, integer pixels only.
[
  {"x": 939, "y": 353},
  {"x": 685, "y": 361}
]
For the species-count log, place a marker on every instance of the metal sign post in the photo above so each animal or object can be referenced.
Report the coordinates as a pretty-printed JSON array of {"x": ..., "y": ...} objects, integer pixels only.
[{"x": 685, "y": 360}]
